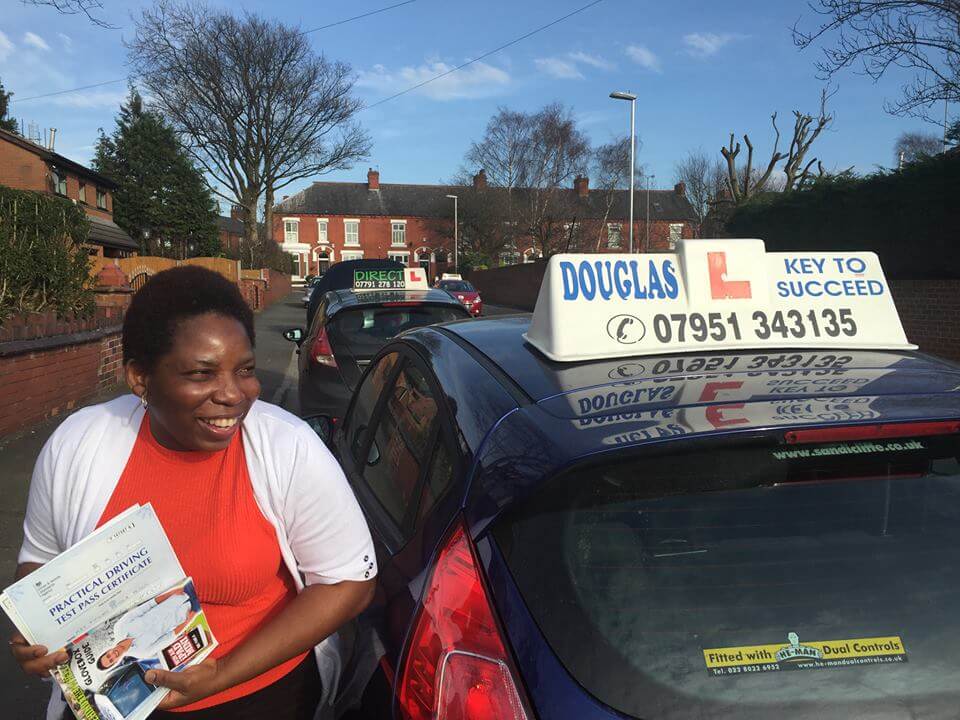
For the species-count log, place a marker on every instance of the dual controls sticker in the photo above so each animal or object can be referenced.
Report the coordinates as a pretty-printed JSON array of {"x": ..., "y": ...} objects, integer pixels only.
[{"x": 797, "y": 655}]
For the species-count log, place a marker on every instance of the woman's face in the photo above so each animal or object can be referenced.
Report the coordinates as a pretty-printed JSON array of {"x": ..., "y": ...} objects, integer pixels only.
[{"x": 200, "y": 391}]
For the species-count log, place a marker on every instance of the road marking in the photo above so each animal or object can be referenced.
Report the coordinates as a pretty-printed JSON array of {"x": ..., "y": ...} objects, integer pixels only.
[{"x": 289, "y": 376}]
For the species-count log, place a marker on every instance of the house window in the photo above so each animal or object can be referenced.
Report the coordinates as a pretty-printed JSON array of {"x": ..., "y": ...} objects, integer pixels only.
[
  {"x": 401, "y": 257},
  {"x": 60, "y": 181},
  {"x": 322, "y": 232},
  {"x": 613, "y": 235},
  {"x": 676, "y": 232},
  {"x": 101, "y": 199},
  {"x": 83, "y": 193},
  {"x": 398, "y": 234},
  {"x": 440, "y": 256},
  {"x": 291, "y": 231},
  {"x": 351, "y": 232},
  {"x": 351, "y": 255},
  {"x": 509, "y": 258}
]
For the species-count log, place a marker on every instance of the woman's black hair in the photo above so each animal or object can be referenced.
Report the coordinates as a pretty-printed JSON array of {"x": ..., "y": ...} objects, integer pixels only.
[{"x": 170, "y": 297}]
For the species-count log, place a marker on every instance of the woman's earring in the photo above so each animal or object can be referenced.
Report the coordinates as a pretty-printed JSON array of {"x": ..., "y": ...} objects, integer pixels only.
[{"x": 143, "y": 400}]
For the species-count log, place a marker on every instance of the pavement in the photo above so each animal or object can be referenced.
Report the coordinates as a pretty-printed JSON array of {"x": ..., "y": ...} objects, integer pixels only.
[{"x": 25, "y": 697}]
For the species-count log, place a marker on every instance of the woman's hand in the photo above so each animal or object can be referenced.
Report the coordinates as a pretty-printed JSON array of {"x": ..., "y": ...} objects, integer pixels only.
[
  {"x": 34, "y": 659},
  {"x": 189, "y": 685}
]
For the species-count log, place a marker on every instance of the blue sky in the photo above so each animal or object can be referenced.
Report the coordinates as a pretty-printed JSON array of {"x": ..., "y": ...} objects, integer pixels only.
[{"x": 701, "y": 70}]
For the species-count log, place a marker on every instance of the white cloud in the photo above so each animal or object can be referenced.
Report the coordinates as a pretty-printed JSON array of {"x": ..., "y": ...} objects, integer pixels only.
[
  {"x": 706, "y": 44},
  {"x": 555, "y": 67},
  {"x": 35, "y": 41},
  {"x": 474, "y": 81},
  {"x": 592, "y": 60},
  {"x": 6, "y": 47},
  {"x": 66, "y": 41},
  {"x": 643, "y": 57}
]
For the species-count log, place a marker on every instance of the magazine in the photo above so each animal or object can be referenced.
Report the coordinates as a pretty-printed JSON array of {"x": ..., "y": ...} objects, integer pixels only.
[{"x": 119, "y": 604}]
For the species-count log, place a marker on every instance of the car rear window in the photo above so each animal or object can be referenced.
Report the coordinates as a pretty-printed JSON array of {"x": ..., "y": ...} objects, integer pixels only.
[
  {"x": 457, "y": 286},
  {"x": 365, "y": 330},
  {"x": 817, "y": 581}
]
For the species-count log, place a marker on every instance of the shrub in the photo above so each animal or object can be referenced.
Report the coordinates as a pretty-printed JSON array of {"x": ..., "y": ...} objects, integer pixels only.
[
  {"x": 908, "y": 217},
  {"x": 43, "y": 263}
]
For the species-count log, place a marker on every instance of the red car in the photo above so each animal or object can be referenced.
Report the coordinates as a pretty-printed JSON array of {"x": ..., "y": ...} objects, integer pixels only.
[{"x": 464, "y": 292}]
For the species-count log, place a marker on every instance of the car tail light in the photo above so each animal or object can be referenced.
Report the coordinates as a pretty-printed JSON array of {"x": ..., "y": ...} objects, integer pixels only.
[
  {"x": 871, "y": 432},
  {"x": 321, "y": 352},
  {"x": 457, "y": 666}
]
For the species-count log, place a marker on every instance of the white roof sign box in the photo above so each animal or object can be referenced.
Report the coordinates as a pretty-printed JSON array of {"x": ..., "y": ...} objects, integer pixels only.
[
  {"x": 713, "y": 295},
  {"x": 450, "y": 276}
]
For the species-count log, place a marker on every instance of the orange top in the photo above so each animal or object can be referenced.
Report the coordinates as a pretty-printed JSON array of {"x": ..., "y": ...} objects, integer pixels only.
[{"x": 206, "y": 505}]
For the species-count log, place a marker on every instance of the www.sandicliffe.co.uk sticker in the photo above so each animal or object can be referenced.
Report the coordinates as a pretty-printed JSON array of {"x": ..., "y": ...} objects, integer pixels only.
[{"x": 794, "y": 655}]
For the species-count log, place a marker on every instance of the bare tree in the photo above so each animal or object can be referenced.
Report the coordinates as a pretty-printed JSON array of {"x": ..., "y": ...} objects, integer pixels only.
[
  {"x": 75, "y": 7},
  {"x": 533, "y": 156},
  {"x": 611, "y": 168},
  {"x": 913, "y": 146},
  {"x": 746, "y": 181},
  {"x": 704, "y": 178},
  {"x": 920, "y": 35},
  {"x": 253, "y": 103}
]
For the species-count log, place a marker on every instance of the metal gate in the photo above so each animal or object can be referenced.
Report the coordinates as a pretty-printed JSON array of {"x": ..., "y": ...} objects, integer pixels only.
[{"x": 139, "y": 280}]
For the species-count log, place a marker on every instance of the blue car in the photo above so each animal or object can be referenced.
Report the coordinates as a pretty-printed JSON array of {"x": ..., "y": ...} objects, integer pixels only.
[{"x": 658, "y": 535}]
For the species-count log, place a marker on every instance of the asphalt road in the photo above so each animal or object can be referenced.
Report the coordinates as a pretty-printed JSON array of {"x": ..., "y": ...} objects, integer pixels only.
[{"x": 25, "y": 697}]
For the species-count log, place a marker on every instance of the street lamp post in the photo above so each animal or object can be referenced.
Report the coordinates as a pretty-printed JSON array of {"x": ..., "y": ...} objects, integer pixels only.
[
  {"x": 647, "y": 234},
  {"x": 633, "y": 108},
  {"x": 456, "y": 257}
]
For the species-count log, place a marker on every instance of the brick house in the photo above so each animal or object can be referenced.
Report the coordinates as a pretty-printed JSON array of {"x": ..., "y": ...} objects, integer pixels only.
[
  {"x": 333, "y": 221},
  {"x": 230, "y": 230},
  {"x": 25, "y": 165}
]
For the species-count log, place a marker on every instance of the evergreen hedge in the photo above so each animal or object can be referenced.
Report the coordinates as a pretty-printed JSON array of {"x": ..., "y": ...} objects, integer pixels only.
[
  {"x": 43, "y": 263},
  {"x": 910, "y": 218}
]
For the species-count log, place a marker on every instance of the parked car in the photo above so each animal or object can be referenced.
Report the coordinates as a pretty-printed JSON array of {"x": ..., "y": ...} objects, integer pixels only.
[
  {"x": 563, "y": 534},
  {"x": 308, "y": 290},
  {"x": 349, "y": 328},
  {"x": 340, "y": 277},
  {"x": 465, "y": 293}
]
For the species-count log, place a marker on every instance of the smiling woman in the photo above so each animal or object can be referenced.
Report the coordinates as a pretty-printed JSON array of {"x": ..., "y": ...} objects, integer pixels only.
[{"x": 257, "y": 510}]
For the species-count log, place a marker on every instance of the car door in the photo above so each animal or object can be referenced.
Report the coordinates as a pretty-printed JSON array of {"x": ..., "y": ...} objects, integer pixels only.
[{"x": 397, "y": 449}]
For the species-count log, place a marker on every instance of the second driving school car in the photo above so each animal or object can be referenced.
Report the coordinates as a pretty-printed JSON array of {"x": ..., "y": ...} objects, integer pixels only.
[
  {"x": 716, "y": 484},
  {"x": 350, "y": 325}
]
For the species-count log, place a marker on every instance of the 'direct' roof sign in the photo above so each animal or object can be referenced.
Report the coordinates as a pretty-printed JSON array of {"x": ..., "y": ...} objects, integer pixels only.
[{"x": 712, "y": 295}]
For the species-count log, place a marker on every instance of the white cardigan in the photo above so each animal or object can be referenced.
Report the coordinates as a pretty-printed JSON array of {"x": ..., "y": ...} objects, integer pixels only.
[{"x": 297, "y": 483}]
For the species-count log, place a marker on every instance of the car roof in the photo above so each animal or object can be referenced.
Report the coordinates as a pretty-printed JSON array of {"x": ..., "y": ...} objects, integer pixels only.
[
  {"x": 579, "y": 410},
  {"x": 501, "y": 340},
  {"x": 344, "y": 299}
]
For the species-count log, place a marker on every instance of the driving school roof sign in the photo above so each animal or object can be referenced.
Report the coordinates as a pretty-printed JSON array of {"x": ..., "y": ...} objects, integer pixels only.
[
  {"x": 390, "y": 279},
  {"x": 712, "y": 295}
]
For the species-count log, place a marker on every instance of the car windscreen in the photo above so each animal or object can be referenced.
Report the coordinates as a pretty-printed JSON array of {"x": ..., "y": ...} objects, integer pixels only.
[
  {"x": 365, "y": 330},
  {"x": 787, "y": 582},
  {"x": 456, "y": 286}
]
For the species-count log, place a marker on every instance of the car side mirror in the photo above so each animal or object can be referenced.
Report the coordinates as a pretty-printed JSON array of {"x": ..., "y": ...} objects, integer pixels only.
[{"x": 294, "y": 335}]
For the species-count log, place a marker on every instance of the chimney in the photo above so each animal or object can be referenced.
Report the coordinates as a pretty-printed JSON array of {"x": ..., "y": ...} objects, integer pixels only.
[
  {"x": 236, "y": 212},
  {"x": 480, "y": 180},
  {"x": 373, "y": 179},
  {"x": 53, "y": 139},
  {"x": 582, "y": 186},
  {"x": 680, "y": 189}
]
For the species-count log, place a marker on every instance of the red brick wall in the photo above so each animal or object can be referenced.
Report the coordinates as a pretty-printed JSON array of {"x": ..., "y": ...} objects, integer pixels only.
[
  {"x": 260, "y": 293},
  {"x": 515, "y": 286},
  {"x": 23, "y": 170},
  {"x": 48, "y": 366},
  {"x": 930, "y": 313}
]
